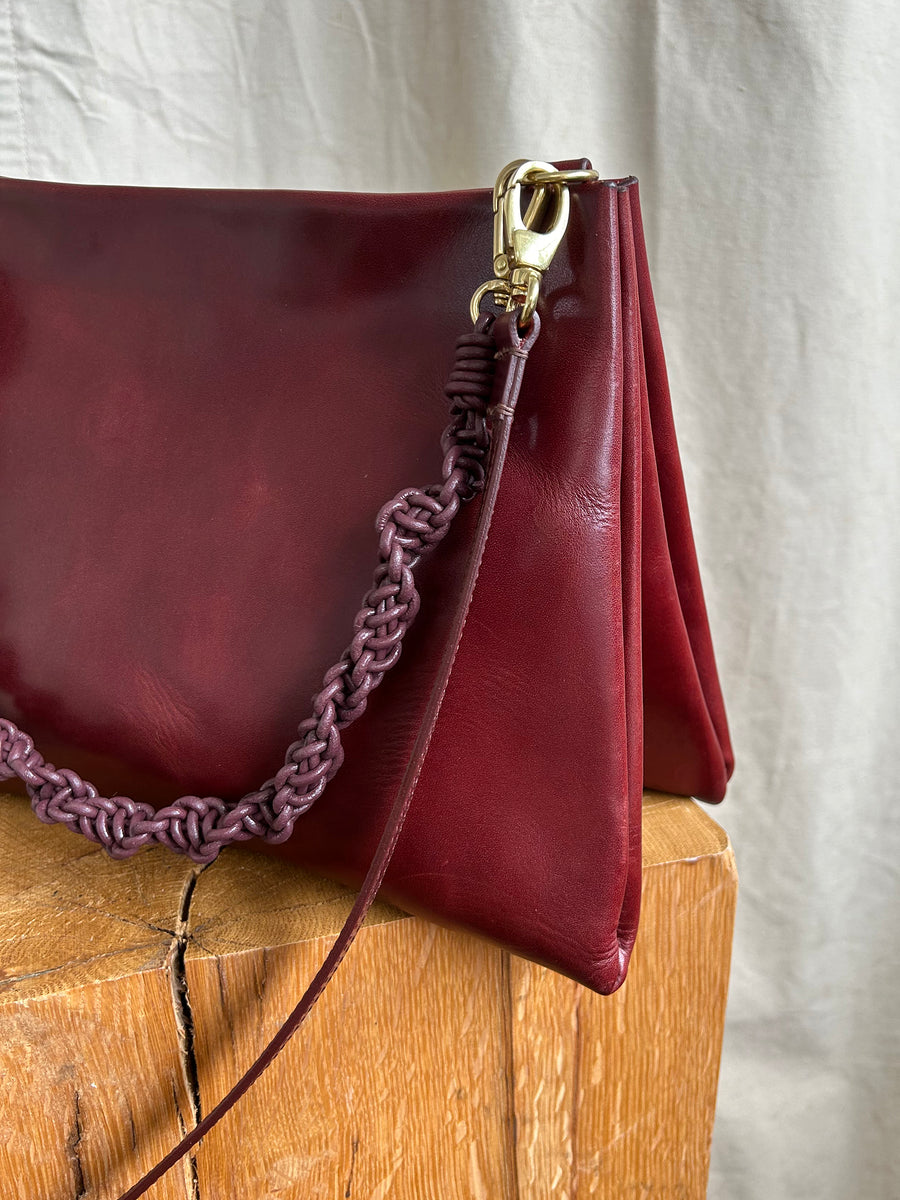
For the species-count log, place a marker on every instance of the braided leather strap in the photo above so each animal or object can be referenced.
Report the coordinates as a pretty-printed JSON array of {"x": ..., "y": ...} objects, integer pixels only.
[{"x": 410, "y": 525}]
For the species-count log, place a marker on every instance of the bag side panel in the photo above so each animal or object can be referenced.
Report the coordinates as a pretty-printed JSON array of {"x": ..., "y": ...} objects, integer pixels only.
[
  {"x": 633, "y": 419},
  {"x": 686, "y": 742}
]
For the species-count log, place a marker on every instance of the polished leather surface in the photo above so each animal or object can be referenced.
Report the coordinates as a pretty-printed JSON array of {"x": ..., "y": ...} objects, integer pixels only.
[{"x": 204, "y": 396}]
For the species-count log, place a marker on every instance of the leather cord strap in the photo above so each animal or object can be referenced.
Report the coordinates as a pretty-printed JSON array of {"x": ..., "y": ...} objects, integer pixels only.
[
  {"x": 410, "y": 525},
  {"x": 512, "y": 351}
]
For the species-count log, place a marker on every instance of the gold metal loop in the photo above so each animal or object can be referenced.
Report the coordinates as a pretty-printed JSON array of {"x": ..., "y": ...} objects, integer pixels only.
[
  {"x": 492, "y": 285},
  {"x": 525, "y": 243},
  {"x": 532, "y": 291},
  {"x": 569, "y": 178}
]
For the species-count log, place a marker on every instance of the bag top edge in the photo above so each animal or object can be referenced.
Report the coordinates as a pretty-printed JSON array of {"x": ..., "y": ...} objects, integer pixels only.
[{"x": 13, "y": 183}]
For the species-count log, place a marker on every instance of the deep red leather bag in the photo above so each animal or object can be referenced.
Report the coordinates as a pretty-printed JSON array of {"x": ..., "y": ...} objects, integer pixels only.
[{"x": 205, "y": 397}]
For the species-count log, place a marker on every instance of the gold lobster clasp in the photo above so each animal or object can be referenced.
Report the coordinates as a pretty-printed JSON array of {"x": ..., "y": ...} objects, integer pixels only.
[{"x": 525, "y": 243}]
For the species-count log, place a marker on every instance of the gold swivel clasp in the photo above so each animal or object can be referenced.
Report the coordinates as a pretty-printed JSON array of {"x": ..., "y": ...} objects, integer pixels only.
[{"x": 525, "y": 243}]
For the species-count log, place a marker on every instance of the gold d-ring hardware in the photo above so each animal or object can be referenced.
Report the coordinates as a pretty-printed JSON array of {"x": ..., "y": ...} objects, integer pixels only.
[{"x": 524, "y": 244}]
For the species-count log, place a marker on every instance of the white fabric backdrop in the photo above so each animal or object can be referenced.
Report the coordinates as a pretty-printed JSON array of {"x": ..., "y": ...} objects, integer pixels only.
[{"x": 765, "y": 135}]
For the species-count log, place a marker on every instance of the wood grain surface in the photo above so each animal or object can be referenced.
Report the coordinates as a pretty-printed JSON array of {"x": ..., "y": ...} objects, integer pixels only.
[{"x": 436, "y": 1067}]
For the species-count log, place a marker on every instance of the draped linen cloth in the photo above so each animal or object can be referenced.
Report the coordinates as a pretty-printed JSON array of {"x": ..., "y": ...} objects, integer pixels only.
[{"x": 765, "y": 136}]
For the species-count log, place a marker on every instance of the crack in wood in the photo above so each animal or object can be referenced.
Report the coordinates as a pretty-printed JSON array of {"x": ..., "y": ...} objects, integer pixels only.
[
  {"x": 9, "y": 980},
  {"x": 184, "y": 1024},
  {"x": 576, "y": 1087},
  {"x": 355, "y": 1148},
  {"x": 223, "y": 997},
  {"x": 70, "y": 903},
  {"x": 191, "y": 1181},
  {"x": 507, "y": 1023},
  {"x": 73, "y": 1147},
  {"x": 131, "y": 1125}
]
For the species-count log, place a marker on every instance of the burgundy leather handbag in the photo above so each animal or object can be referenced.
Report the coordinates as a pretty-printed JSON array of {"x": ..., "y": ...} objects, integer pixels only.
[{"x": 205, "y": 397}]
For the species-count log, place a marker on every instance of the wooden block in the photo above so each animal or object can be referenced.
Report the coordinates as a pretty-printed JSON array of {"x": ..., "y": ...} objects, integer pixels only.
[{"x": 436, "y": 1066}]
